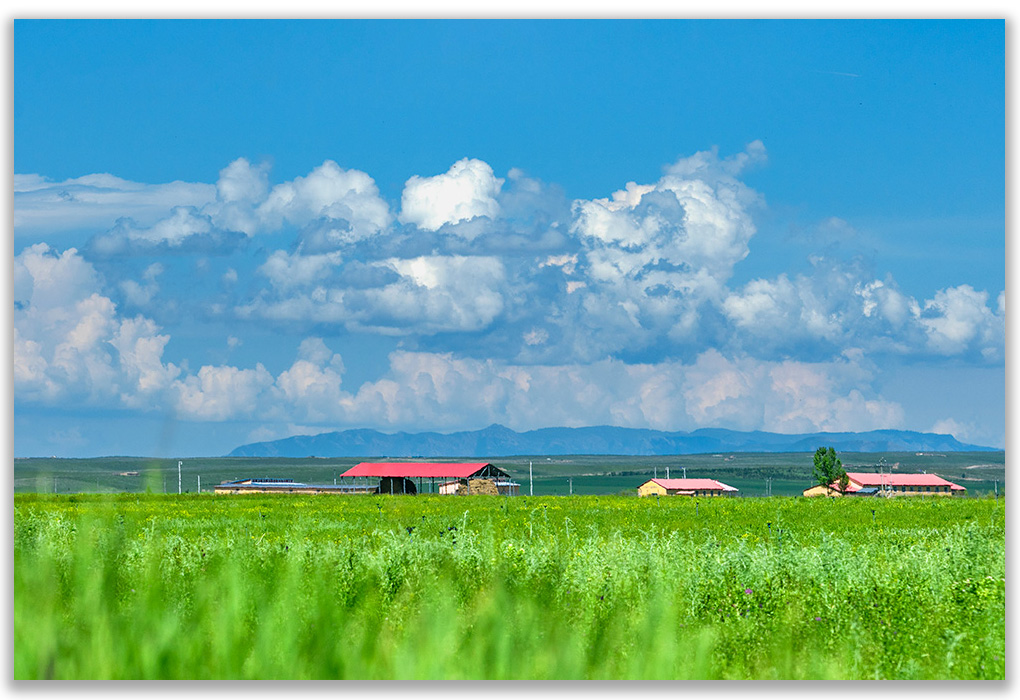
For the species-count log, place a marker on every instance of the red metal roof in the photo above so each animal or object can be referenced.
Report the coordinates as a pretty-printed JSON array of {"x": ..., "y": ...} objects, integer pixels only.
[
  {"x": 693, "y": 484},
  {"x": 870, "y": 479},
  {"x": 456, "y": 470}
]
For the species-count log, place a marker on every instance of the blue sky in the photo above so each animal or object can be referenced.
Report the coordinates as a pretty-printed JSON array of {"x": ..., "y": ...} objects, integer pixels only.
[{"x": 228, "y": 231}]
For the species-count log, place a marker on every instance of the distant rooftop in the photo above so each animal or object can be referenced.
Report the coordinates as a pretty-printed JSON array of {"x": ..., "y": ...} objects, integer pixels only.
[
  {"x": 873, "y": 479},
  {"x": 694, "y": 484},
  {"x": 287, "y": 484}
]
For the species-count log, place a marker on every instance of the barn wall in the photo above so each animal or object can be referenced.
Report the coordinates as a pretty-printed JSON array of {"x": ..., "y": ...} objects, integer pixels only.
[{"x": 650, "y": 488}]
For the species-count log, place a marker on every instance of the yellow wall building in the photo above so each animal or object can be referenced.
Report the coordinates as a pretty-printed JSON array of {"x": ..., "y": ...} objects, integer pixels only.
[{"x": 685, "y": 487}]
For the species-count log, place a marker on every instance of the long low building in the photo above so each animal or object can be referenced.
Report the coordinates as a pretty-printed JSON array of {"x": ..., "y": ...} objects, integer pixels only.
[
  {"x": 435, "y": 477},
  {"x": 862, "y": 483},
  {"x": 242, "y": 486},
  {"x": 685, "y": 487}
]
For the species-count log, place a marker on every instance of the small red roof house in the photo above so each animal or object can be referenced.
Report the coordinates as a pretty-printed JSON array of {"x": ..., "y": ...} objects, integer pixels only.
[
  {"x": 416, "y": 477},
  {"x": 891, "y": 485},
  {"x": 685, "y": 487}
]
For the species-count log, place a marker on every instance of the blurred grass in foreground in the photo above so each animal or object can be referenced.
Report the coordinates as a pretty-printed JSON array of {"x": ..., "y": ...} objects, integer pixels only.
[{"x": 153, "y": 586}]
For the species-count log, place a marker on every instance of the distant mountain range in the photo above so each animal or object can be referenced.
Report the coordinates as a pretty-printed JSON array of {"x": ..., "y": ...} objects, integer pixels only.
[{"x": 498, "y": 441}]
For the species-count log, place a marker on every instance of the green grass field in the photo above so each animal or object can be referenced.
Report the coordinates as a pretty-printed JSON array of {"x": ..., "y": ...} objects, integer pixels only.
[{"x": 202, "y": 586}]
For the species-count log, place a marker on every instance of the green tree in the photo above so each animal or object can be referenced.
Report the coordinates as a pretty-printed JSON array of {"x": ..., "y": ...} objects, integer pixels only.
[
  {"x": 843, "y": 482},
  {"x": 828, "y": 469}
]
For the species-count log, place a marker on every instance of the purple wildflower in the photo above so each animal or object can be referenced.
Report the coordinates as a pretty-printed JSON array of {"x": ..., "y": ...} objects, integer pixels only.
[
  {"x": 818, "y": 619},
  {"x": 748, "y": 591}
]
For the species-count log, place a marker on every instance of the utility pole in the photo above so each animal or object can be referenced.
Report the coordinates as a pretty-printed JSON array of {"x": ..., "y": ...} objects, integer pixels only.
[
  {"x": 571, "y": 481},
  {"x": 667, "y": 471},
  {"x": 685, "y": 471},
  {"x": 883, "y": 487},
  {"x": 200, "y": 483},
  {"x": 531, "y": 480},
  {"x": 179, "y": 463}
]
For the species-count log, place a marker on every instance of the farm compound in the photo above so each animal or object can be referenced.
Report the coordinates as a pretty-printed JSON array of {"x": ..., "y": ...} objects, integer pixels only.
[
  {"x": 435, "y": 477},
  {"x": 862, "y": 483},
  {"x": 685, "y": 487}
]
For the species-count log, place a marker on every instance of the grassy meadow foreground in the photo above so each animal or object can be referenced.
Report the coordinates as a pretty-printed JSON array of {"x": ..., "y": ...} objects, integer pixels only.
[{"x": 197, "y": 586}]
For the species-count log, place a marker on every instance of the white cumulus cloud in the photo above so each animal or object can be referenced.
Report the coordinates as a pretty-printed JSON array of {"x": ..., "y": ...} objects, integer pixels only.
[
  {"x": 72, "y": 345},
  {"x": 328, "y": 192},
  {"x": 615, "y": 310},
  {"x": 467, "y": 190},
  {"x": 424, "y": 295},
  {"x": 286, "y": 271},
  {"x": 343, "y": 204},
  {"x": 241, "y": 187},
  {"x": 839, "y": 307},
  {"x": 434, "y": 391},
  {"x": 437, "y": 293},
  {"x": 219, "y": 393},
  {"x": 70, "y": 342},
  {"x": 951, "y": 426},
  {"x": 185, "y": 228},
  {"x": 653, "y": 254},
  {"x": 959, "y": 317},
  {"x": 697, "y": 216}
]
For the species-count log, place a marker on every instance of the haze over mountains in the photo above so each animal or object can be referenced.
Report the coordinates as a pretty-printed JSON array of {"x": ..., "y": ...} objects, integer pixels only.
[{"x": 499, "y": 441}]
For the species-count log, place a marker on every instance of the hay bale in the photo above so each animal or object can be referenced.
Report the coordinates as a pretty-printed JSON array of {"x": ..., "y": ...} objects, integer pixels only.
[{"x": 484, "y": 487}]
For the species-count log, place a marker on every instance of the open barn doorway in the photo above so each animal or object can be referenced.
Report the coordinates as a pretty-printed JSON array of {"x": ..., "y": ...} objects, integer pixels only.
[{"x": 397, "y": 485}]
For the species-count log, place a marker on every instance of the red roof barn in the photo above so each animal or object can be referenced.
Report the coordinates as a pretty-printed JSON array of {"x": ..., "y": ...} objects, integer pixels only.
[
  {"x": 891, "y": 485},
  {"x": 411, "y": 477}
]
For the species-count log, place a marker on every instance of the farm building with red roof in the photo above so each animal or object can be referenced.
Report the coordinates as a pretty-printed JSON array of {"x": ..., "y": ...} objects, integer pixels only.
[
  {"x": 890, "y": 485},
  {"x": 685, "y": 487},
  {"x": 435, "y": 477}
]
